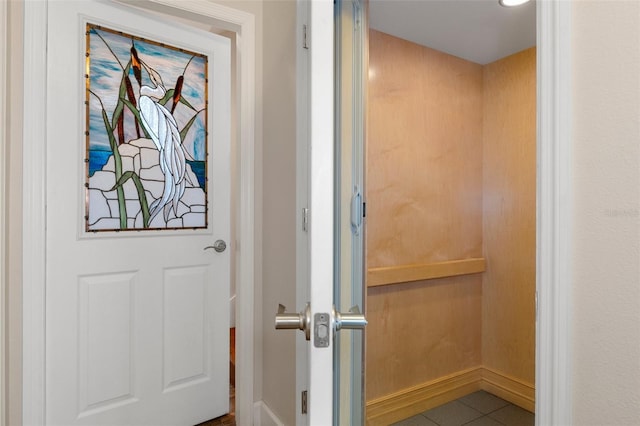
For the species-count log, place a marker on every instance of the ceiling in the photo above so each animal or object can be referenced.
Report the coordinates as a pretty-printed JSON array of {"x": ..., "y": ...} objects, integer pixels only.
[{"x": 480, "y": 31}]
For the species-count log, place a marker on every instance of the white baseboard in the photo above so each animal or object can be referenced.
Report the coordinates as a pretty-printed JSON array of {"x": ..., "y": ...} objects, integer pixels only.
[{"x": 263, "y": 416}]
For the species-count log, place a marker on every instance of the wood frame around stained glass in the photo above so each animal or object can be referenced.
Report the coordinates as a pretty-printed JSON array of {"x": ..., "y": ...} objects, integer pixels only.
[{"x": 146, "y": 157}]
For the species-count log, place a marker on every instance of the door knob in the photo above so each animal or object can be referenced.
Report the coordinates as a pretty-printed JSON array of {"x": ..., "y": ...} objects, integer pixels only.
[
  {"x": 218, "y": 246},
  {"x": 353, "y": 320},
  {"x": 292, "y": 321}
]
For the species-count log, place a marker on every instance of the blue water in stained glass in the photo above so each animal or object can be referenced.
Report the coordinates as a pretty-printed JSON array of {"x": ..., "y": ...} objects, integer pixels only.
[
  {"x": 98, "y": 158},
  {"x": 198, "y": 169}
]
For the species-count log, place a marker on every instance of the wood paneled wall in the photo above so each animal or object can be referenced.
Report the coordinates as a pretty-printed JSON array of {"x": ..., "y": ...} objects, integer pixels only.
[
  {"x": 424, "y": 146},
  {"x": 421, "y": 331},
  {"x": 450, "y": 177},
  {"x": 424, "y": 205},
  {"x": 509, "y": 218}
]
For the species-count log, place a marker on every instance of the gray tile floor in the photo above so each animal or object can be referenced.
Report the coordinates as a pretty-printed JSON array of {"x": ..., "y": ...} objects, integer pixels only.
[{"x": 476, "y": 409}]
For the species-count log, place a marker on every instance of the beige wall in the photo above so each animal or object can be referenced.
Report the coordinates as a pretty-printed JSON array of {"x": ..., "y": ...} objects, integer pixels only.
[
  {"x": 606, "y": 213},
  {"x": 279, "y": 201},
  {"x": 509, "y": 218},
  {"x": 275, "y": 381}
]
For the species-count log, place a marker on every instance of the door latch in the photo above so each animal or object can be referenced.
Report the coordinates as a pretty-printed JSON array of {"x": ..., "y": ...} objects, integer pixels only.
[
  {"x": 324, "y": 323},
  {"x": 321, "y": 327}
]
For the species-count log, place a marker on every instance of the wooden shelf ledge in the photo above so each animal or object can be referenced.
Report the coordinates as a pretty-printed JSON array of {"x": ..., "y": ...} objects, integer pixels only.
[{"x": 425, "y": 271}]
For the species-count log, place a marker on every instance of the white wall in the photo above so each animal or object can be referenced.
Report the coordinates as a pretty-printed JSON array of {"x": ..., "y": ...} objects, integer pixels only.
[{"x": 606, "y": 210}]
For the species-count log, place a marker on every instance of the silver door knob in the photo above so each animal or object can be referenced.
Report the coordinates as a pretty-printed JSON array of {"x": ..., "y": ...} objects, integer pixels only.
[
  {"x": 291, "y": 321},
  {"x": 353, "y": 320},
  {"x": 218, "y": 246}
]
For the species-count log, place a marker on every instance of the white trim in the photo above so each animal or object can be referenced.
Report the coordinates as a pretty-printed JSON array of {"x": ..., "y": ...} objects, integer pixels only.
[
  {"x": 4, "y": 53},
  {"x": 263, "y": 416},
  {"x": 553, "y": 331},
  {"x": 35, "y": 62}
]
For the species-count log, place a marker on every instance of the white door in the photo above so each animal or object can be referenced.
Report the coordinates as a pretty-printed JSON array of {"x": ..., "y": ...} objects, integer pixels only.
[
  {"x": 321, "y": 197},
  {"x": 335, "y": 365},
  {"x": 137, "y": 320}
]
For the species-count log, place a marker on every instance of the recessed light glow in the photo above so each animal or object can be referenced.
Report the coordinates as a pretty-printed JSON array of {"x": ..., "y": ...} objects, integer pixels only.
[{"x": 511, "y": 3}]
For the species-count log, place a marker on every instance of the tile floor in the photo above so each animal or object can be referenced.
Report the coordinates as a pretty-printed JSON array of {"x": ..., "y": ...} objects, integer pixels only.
[{"x": 476, "y": 409}]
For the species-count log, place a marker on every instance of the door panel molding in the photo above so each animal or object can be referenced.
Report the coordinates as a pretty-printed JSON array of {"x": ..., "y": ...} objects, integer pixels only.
[{"x": 34, "y": 184}]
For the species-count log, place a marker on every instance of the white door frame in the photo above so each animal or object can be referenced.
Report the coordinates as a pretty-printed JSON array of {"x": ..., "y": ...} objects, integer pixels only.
[
  {"x": 553, "y": 208},
  {"x": 34, "y": 180},
  {"x": 553, "y": 211}
]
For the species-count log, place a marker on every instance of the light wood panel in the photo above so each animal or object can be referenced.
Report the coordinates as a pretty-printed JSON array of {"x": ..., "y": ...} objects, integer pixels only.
[
  {"x": 424, "y": 205},
  {"x": 421, "y": 331},
  {"x": 438, "y": 178},
  {"x": 407, "y": 273},
  {"x": 509, "y": 206},
  {"x": 424, "y": 149}
]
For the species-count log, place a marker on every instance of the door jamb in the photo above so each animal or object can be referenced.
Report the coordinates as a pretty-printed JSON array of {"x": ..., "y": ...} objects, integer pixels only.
[
  {"x": 553, "y": 227},
  {"x": 34, "y": 254}
]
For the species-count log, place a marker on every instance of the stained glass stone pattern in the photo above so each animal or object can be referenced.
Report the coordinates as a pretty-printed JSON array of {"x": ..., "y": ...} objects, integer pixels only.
[{"x": 146, "y": 136}]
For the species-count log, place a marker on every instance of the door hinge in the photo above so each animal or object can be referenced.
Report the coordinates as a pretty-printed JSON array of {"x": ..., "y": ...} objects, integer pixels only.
[
  {"x": 305, "y": 219},
  {"x": 305, "y": 39},
  {"x": 303, "y": 401}
]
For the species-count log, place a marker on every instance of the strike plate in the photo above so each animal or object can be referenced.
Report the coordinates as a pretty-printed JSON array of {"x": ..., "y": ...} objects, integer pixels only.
[{"x": 321, "y": 330}]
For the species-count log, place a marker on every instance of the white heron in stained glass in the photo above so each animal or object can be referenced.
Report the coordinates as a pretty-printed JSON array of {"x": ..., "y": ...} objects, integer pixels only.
[{"x": 163, "y": 130}]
